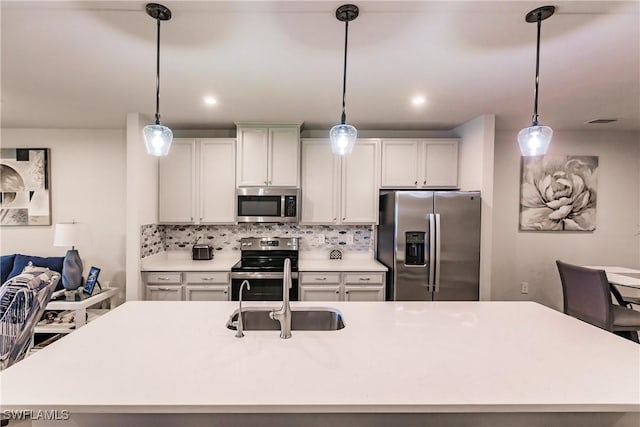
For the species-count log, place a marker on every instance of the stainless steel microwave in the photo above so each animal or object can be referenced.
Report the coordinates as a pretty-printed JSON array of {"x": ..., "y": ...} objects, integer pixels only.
[{"x": 266, "y": 204}]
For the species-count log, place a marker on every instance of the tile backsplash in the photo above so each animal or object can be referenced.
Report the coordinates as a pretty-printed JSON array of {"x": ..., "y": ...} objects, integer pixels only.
[{"x": 157, "y": 238}]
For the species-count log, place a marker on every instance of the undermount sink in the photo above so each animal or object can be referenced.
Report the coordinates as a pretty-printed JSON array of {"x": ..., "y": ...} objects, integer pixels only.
[{"x": 302, "y": 319}]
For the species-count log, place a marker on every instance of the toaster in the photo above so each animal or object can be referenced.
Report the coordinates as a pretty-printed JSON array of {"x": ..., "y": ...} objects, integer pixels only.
[{"x": 201, "y": 252}]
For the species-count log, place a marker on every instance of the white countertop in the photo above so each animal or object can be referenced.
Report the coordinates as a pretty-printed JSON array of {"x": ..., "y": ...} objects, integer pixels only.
[
  {"x": 223, "y": 261},
  {"x": 181, "y": 261},
  {"x": 160, "y": 357}
]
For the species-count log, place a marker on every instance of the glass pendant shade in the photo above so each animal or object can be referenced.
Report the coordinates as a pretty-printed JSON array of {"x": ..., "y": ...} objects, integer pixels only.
[
  {"x": 343, "y": 138},
  {"x": 535, "y": 140},
  {"x": 158, "y": 139}
]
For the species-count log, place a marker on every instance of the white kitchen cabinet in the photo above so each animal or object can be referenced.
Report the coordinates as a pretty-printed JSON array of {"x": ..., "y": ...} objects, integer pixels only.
[
  {"x": 197, "y": 182},
  {"x": 337, "y": 190},
  {"x": 176, "y": 183},
  {"x": 420, "y": 163},
  {"x": 268, "y": 155},
  {"x": 336, "y": 286},
  {"x": 188, "y": 286}
]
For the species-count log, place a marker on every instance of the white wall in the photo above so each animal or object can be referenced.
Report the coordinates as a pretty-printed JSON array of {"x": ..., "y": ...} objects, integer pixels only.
[
  {"x": 87, "y": 185},
  {"x": 530, "y": 256},
  {"x": 141, "y": 197}
]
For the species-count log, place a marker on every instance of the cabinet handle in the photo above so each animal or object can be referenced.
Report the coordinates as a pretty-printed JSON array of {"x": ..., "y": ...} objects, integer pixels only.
[
  {"x": 365, "y": 278},
  {"x": 191, "y": 218},
  {"x": 165, "y": 289},
  {"x": 321, "y": 278},
  {"x": 335, "y": 219},
  {"x": 415, "y": 183},
  {"x": 266, "y": 182},
  {"x": 164, "y": 278},
  {"x": 337, "y": 292},
  {"x": 346, "y": 292},
  {"x": 424, "y": 182},
  {"x": 207, "y": 279},
  {"x": 226, "y": 292}
]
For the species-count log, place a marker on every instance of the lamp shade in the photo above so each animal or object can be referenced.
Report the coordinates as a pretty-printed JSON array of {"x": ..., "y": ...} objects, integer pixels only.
[
  {"x": 535, "y": 140},
  {"x": 66, "y": 234},
  {"x": 157, "y": 139},
  {"x": 343, "y": 138}
]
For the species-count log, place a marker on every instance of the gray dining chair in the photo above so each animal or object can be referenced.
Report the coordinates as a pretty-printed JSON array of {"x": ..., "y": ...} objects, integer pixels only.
[
  {"x": 23, "y": 299},
  {"x": 587, "y": 296}
]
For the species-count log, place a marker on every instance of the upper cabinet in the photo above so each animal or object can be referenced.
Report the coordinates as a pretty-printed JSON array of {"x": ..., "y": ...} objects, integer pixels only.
[
  {"x": 197, "y": 182},
  {"x": 340, "y": 190},
  {"x": 420, "y": 163},
  {"x": 268, "y": 155}
]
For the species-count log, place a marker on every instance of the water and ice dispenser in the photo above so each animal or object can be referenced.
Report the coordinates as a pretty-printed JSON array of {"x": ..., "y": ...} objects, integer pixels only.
[{"x": 415, "y": 248}]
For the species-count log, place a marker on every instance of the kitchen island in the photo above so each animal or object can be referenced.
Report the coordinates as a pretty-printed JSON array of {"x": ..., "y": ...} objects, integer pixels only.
[{"x": 409, "y": 363}]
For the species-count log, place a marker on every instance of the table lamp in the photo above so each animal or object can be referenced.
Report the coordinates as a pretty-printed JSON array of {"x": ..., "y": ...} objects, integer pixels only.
[{"x": 68, "y": 234}]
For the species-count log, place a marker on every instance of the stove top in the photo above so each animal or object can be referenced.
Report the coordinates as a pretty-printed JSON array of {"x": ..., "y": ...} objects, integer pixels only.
[{"x": 267, "y": 254}]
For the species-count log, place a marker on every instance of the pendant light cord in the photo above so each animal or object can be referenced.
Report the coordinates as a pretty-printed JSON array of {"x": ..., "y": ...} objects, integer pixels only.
[
  {"x": 158, "y": 75},
  {"x": 344, "y": 74},
  {"x": 535, "y": 102}
]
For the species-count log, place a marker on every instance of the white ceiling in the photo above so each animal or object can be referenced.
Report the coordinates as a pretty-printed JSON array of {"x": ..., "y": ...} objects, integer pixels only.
[{"x": 87, "y": 64}]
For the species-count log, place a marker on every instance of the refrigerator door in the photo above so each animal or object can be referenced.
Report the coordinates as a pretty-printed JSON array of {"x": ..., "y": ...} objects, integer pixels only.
[
  {"x": 412, "y": 247},
  {"x": 458, "y": 246}
]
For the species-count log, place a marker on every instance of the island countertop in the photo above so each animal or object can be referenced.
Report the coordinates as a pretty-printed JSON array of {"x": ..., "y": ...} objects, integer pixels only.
[{"x": 402, "y": 357}]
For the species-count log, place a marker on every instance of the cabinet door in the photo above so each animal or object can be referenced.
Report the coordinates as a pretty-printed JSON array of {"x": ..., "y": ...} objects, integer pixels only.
[
  {"x": 364, "y": 293},
  {"x": 217, "y": 185},
  {"x": 361, "y": 183},
  {"x": 164, "y": 293},
  {"x": 400, "y": 163},
  {"x": 319, "y": 292},
  {"x": 440, "y": 164},
  {"x": 320, "y": 177},
  {"x": 252, "y": 156},
  {"x": 176, "y": 183},
  {"x": 284, "y": 157},
  {"x": 206, "y": 292}
]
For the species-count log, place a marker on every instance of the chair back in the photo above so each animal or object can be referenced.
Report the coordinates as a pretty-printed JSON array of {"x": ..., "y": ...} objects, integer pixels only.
[
  {"x": 23, "y": 300},
  {"x": 586, "y": 294}
]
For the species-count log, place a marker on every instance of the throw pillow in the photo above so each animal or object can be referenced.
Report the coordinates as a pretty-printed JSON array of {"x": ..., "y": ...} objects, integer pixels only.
[{"x": 52, "y": 263}]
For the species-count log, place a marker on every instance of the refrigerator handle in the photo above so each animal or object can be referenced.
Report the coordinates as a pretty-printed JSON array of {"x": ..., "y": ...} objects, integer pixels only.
[
  {"x": 437, "y": 252},
  {"x": 432, "y": 237}
]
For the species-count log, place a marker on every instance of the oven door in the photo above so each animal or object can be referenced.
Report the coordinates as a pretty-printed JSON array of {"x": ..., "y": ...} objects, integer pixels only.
[{"x": 264, "y": 286}]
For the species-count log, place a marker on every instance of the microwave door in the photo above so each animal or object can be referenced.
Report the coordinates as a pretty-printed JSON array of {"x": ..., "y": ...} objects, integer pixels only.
[{"x": 259, "y": 208}]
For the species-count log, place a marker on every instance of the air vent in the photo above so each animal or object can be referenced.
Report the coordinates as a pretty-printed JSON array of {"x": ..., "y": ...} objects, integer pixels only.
[{"x": 601, "y": 121}]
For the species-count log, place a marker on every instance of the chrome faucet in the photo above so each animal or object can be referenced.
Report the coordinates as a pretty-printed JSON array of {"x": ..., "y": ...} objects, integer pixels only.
[
  {"x": 239, "y": 333},
  {"x": 284, "y": 314}
]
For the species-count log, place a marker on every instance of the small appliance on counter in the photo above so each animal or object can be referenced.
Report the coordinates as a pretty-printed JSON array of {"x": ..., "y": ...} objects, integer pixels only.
[{"x": 201, "y": 252}]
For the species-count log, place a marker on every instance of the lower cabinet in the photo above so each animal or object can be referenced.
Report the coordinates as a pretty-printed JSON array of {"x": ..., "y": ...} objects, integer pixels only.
[
  {"x": 187, "y": 286},
  {"x": 341, "y": 286}
]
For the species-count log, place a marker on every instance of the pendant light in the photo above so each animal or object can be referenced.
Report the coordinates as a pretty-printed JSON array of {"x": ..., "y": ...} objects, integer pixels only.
[
  {"x": 156, "y": 136},
  {"x": 343, "y": 136},
  {"x": 535, "y": 139}
]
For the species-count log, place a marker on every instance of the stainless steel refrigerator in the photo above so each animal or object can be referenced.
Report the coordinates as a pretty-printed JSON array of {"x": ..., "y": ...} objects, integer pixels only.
[{"x": 430, "y": 241}]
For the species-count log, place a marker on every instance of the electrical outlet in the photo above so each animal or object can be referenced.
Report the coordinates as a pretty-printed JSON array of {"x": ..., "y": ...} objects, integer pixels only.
[
  {"x": 349, "y": 239},
  {"x": 321, "y": 239},
  {"x": 524, "y": 287}
]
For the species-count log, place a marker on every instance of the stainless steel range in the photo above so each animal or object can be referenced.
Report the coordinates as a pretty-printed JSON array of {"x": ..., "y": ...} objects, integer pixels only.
[{"x": 262, "y": 263}]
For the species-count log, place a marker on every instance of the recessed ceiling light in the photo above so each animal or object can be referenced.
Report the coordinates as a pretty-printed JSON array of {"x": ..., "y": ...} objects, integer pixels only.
[
  {"x": 418, "y": 100},
  {"x": 210, "y": 100}
]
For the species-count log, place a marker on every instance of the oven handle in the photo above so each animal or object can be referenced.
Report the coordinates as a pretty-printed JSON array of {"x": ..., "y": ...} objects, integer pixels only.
[{"x": 260, "y": 275}]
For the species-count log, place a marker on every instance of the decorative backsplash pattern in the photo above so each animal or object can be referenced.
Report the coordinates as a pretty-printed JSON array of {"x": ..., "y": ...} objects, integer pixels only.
[{"x": 158, "y": 238}]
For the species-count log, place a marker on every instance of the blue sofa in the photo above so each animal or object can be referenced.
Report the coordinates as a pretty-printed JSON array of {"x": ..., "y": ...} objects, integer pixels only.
[{"x": 12, "y": 265}]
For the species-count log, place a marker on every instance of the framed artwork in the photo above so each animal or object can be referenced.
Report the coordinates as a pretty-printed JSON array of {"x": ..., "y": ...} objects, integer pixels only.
[
  {"x": 558, "y": 193},
  {"x": 25, "y": 197}
]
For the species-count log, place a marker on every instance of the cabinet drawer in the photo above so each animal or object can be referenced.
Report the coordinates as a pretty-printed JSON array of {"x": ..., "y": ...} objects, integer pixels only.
[
  {"x": 319, "y": 278},
  {"x": 364, "y": 278},
  {"x": 207, "y": 277},
  {"x": 163, "y": 277}
]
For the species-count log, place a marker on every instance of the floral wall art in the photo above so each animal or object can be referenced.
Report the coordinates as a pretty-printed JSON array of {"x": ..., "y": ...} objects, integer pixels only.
[{"x": 558, "y": 193}]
